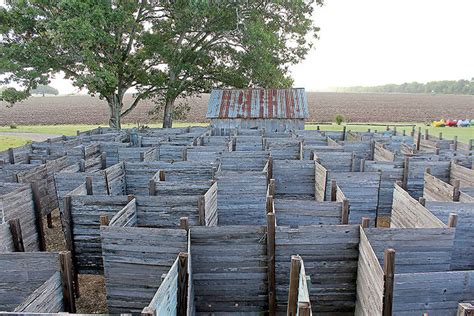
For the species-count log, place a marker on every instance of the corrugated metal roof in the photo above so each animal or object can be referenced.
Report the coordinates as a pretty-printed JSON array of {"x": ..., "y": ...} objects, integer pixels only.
[{"x": 258, "y": 103}]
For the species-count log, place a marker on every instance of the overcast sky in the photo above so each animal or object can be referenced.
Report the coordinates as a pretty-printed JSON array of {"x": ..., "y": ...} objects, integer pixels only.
[{"x": 371, "y": 42}]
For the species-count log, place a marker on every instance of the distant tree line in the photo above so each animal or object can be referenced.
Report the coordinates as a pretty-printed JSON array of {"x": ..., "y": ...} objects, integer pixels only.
[{"x": 442, "y": 87}]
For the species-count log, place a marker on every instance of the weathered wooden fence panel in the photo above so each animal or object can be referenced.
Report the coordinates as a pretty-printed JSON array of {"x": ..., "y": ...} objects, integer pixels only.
[
  {"x": 134, "y": 261},
  {"x": 463, "y": 256},
  {"x": 16, "y": 201},
  {"x": 417, "y": 249},
  {"x": 294, "y": 178},
  {"x": 291, "y": 212},
  {"x": 370, "y": 280},
  {"x": 330, "y": 255},
  {"x": 229, "y": 269},
  {"x": 409, "y": 213},
  {"x": 85, "y": 213}
]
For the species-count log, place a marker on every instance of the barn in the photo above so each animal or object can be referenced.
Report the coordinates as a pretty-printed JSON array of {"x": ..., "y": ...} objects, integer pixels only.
[{"x": 275, "y": 110}]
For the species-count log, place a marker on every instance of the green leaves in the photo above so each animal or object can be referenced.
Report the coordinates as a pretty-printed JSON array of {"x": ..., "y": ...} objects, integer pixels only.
[{"x": 155, "y": 49}]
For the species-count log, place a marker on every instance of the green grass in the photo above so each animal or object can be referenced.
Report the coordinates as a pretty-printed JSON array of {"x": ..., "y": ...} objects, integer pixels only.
[
  {"x": 12, "y": 141},
  {"x": 464, "y": 134},
  {"x": 70, "y": 130}
]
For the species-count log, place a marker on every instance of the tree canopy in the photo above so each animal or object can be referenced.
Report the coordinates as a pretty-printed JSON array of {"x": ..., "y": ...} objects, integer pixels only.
[
  {"x": 165, "y": 50},
  {"x": 442, "y": 87}
]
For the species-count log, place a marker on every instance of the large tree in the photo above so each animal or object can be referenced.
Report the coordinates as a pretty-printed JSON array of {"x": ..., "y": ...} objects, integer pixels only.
[{"x": 164, "y": 50}]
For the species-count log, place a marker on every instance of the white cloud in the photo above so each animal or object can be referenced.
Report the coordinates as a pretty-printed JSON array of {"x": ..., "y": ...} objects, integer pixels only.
[{"x": 369, "y": 42}]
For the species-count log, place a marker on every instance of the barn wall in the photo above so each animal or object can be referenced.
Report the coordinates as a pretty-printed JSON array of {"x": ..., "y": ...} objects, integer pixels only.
[{"x": 276, "y": 125}]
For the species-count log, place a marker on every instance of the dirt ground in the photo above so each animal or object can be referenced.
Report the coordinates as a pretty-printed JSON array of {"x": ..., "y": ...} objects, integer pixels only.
[
  {"x": 91, "y": 287},
  {"x": 323, "y": 106}
]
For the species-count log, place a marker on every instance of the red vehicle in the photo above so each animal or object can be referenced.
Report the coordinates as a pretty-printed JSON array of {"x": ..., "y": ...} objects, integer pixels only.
[{"x": 451, "y": 123}]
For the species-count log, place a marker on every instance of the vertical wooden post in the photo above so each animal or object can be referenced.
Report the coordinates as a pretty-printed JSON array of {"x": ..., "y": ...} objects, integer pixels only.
[
  {"x": 418, "y": 139},
  {"x": 456, "y": 190},
  {"x": 78, "y": 132},
  {"x": 427, "y": 135},
  {"x": 83, "y": 149},
  {"x": 304, "y": 309},
  {"x": 17, "y": 237},
  {"x": 455, "y": 143},
  {"x": 452, "y": 220},
  {"x": 344, "y": 132},
  {"x": 140, "y": 141},
  {"x": 412, "y": 131},
  {"x": 68, "y": 229},
  {"x": 89, "y": 186},
  {"x": 161, "y": 175},
  {"x": 11, "y": 156},
  {"x": 365, "y": 222},
  {"x": 66, "y": 268},
  {"x": 185, "y": 154},
  {"x": 269, "y": 204},
  {"x": 104, "y": 220},
  {"x": 148, "y": 311},
  {"x": 404, "y": 133},
  {"x": 317, "y": 127},
  {"x": 345, "y": 212},
  {"x": 362, "y": 165},
  {"x": 82, "y": 165},
  {"x": 294, "y": 284},
  {"x": 271, "y": 187},
  {"x": 270, "y": 168},
  {"x": 271, "y": 263},
  {"x": 142, "y": 156},
  {"x": 202, "y": 210},
  {"x": 39, "y": 216},
  {"x": 27, "y": 158},
  {"x": 181, "y": 304},
  {"x": 440, "y": 136},
  {"x": 422, "y": 201},
  {"x": 151, "y": 187},
  {"x": 405, "y": 173},
  {"x": 465, "y": 309},
  {"x": 394, "y": 130},
  {"x": 353, "y": 162},
  {"x": 301, "y": 150},
  {"x": 372, "y": 149},
  {"x": 184, "y": 223},
  {"x": 471, "y": 144},
  {"x": 389, "y": 272},
  {"x": 333, "y": 190},
  {"x": 387, "y": 128},
  {"x": 103, "y": 161}
]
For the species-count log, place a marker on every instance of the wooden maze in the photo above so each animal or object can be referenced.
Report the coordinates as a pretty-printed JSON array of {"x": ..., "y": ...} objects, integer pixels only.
[{"x": 202, "y": 221}]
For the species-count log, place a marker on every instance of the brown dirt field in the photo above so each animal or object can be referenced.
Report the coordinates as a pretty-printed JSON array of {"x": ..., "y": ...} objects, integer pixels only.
[
  {"x": 92, "y": 287},
  {"x": 323, "y": 106}
]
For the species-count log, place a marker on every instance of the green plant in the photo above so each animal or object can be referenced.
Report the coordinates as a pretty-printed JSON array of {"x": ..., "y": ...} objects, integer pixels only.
[
  {"x": 13, "y": 126},
  {"x": 339, "y": 119}
]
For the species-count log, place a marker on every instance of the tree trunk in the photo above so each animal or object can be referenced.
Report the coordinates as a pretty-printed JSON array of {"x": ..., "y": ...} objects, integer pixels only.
[
  {"x": 168, "y": 113},
  {"x": 115, "y": 108}
]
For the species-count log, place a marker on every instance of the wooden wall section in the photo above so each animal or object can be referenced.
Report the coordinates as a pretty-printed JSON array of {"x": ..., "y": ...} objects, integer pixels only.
[
  {"x": 370, "y": 280},
  {"x": 229, "y": 269},
  {"x": 294, "y": 178},
  {"x": 417, "y": 249},
  {"x": 409, "y": 213},
  {"x": 134, "y": 261},
  {"x": 463, "y": 174},
  {"x": 16, "y": 201},
  {"x": 463, "y": 255},
  {"x": 290, "y": 212},
  {"x": 436, "y": 293},
  {"x": 85, "y": 215},
  {"x": 330, "y": 255}
]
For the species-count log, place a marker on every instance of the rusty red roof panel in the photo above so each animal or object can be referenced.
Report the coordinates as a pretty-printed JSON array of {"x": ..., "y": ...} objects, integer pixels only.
[{"x": 258, "y": 103}]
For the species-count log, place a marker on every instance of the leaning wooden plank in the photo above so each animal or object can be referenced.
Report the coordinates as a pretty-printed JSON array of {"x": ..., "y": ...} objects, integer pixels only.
[
  {"x": 407, "y": 212},
  {"x": 48, "y": 298}
]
